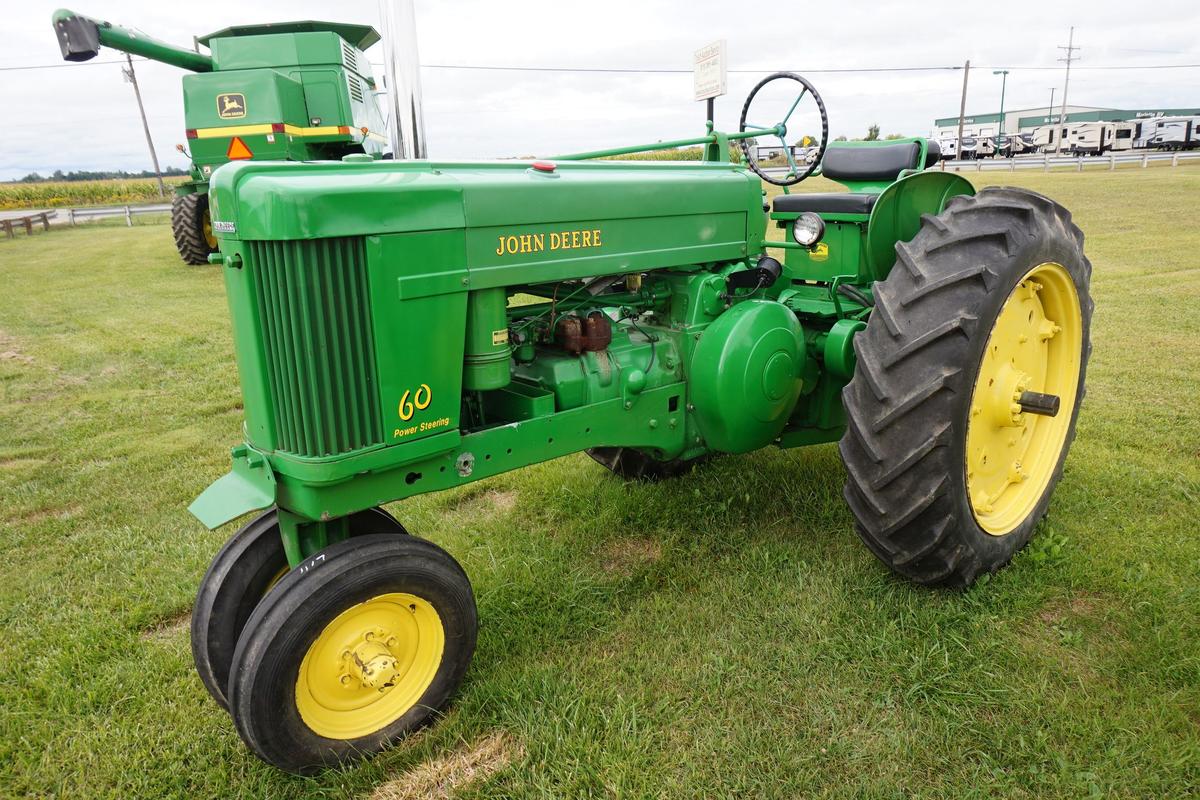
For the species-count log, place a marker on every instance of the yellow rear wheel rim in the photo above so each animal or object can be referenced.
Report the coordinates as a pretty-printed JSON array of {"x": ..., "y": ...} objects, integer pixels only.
[
  {"x": 1035, "y": 345},
  {"x": 206, "y": 229},
  {"x": 369, "y": 666}
]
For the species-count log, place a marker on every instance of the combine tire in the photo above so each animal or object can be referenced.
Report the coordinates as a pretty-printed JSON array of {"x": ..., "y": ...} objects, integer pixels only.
[
  {"x": 634, "y": 465},
  {"x": 242, "y": 572},
  {"x": 192, "y": 227},
  {"x": 352, "y": 650},
  {"x": 968, "y": 383}
]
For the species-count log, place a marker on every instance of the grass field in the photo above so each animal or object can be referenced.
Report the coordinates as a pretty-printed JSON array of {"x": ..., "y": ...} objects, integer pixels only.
[{"x": 722, "y": 635}]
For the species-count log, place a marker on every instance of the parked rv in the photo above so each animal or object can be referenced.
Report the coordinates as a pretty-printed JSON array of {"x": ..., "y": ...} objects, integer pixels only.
[
  {"x": 1046, "y": 136},
  {"x": 1015, "y": 145},
  {"x": 1177, "y": 133},
  {"x": 949, "y": 148},
  {"x": 1097, "y": 138}
]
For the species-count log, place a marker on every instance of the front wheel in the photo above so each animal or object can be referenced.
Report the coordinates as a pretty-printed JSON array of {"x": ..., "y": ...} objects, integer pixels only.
[
  {"x": 968, "y": 384},
  {"x": 248, "y": 566},
  {"x": 354, "y": 649}
]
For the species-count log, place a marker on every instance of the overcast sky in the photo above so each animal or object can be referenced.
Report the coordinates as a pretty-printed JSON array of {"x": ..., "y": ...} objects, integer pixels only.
[{"x": 84, "y": 117}]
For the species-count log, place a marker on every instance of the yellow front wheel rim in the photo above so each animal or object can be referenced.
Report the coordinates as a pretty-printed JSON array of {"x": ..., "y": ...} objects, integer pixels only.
[
  {"x": 1036, "y": 346},
  {"x": 369, "y": 666}
]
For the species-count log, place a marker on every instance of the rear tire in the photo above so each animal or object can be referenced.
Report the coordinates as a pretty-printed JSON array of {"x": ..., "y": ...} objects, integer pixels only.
[
  {"x": 192, "y": 227},
  {"x": 248, "y": 566},
  {"x": 912, "y": 399},
  {"x": 354, "y": 649}
]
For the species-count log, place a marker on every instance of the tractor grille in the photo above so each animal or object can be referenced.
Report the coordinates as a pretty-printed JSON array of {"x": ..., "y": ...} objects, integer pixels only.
[
  {"x": 356, "y": 92},
  {"x": 320, "y": 355}
]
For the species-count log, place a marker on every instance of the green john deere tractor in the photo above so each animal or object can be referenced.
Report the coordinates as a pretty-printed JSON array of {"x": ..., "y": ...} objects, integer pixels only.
[
  {"x": 939, "y": 335},
  {"x": 284, "y": 91}
]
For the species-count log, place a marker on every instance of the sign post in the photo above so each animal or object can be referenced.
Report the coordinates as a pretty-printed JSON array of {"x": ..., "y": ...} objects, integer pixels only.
[{"x": 709, "y": 70}]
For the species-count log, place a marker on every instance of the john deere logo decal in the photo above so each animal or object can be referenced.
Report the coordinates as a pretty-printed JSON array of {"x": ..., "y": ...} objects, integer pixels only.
[{"x": 231, "y": 105}]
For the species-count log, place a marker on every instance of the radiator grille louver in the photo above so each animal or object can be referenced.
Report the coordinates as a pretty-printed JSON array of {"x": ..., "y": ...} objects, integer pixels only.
[
  {"x": 349, "y": 57},
  {"x": 320, "y": 354},
  {"x": 356, "y": 92}
]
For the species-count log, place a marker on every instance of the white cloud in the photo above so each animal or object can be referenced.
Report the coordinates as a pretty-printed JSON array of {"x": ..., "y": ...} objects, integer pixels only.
[{"x": 85, "y": 117}]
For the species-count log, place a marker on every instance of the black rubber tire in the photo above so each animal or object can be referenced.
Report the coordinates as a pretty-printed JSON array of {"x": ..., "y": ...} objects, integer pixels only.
[
  {"x": 634, "y": 465},
  {"x": 908, "y": 402},
  {"x": 236, "y": 581},
  {"x": 262, "y": 690},
  {"x": 188, "y": 213}
]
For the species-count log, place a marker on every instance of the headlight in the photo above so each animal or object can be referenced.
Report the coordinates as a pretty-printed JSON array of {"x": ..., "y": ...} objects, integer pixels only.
[{"x": 808, "y": 229}]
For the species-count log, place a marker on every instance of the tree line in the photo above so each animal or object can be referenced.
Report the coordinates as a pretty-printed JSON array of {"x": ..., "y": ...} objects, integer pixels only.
[{"x": 88, "y": 175}]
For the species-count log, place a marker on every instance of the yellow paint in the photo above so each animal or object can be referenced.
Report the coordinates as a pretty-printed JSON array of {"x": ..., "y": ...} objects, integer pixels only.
[
  {"x": 369, "y": 666},
  {"x": 420, "y": 400},
  {"x": 206, "y": 229},
  {"x": 819, "y": 252},
  {"x": 291, "y": 130},
  {"x": 1035, "y": 345},
  {"x": 557, "y": 240}
]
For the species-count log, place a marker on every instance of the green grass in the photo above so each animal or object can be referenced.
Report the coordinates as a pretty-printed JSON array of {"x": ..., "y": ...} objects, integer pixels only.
[{"x": 725, "y": 634}]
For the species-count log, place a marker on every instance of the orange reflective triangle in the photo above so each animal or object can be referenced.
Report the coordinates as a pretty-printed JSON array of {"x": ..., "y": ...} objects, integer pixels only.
[{"x": 238, "y": 149}]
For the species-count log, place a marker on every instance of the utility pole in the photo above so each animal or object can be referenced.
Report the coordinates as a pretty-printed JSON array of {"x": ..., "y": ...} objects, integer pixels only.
[
  {"x": 132, "y": 78},
  {"x": 962, "y": 110},
  {"x": 1070, "y": 56}
]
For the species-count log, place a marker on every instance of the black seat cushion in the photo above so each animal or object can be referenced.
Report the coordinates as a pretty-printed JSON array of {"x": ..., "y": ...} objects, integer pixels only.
[
  {"x": 870, "y": 163},
  {"x": 829, "y": 202}
]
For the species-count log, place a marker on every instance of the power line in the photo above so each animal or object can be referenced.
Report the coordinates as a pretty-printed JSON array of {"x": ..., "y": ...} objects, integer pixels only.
[{"x": 664, "y": 71}]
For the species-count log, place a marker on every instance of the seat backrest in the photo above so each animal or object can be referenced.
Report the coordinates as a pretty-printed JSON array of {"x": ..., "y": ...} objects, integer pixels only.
[{"x": 845, "y": 161}]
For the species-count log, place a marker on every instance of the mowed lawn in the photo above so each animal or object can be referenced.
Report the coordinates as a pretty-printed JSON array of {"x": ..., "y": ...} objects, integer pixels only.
[{"x": 722, "y": 635}]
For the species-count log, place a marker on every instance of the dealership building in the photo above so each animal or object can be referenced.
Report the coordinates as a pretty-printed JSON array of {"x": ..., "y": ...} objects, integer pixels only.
[{"x": 1024, "y": 120}]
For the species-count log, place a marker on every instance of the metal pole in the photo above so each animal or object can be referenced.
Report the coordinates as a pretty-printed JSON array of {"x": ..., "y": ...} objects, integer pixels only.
[
  {"x": 1070, "y": 48},
  {"x": 132, "y": 78},
  {"x": 1003, "y": 73},
  {"x": 962, "y": 110},
  {"x": 407, "y": 128}
]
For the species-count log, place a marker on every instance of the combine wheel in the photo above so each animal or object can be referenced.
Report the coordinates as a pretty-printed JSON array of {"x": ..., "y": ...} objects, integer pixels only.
[
  {"x": 243, "y": 571},
  {"x": 634, "y": 465},
  {"x": 969, "y": 378},
  {"x": 351, "y": 651},
  {"x": 192, "y": 226}
]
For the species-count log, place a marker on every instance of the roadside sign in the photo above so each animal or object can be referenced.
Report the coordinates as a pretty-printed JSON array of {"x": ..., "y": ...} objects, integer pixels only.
[{"x": 708, "y": 65}]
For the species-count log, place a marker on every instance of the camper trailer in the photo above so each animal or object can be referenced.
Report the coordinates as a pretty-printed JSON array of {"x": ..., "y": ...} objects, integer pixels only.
[
  {"x": 1015, "y": 145},
  {"x": 1176, "y": 133},
  {"x": 1046, "y": 136},
  {"x": 949, "y": 147},
  {"x": 1097, "y": 138}
]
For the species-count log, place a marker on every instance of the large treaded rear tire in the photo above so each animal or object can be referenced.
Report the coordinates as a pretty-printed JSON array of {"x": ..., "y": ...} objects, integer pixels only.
[
  {"x": 189, "y": 216},
  {"x": 908, "y": 403}
]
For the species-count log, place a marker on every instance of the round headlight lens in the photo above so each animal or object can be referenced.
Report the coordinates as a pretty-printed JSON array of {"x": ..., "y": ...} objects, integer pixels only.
[{"x": 808, "y": 229}]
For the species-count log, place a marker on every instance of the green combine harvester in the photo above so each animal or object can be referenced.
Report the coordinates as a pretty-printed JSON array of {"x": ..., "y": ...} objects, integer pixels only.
[
  {"x": 287, "y": 91},
  {"x": 938, "y": 335}
]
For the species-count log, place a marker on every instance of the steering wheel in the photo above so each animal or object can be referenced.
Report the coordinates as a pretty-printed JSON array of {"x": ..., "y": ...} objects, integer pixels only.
[{"x": 780, "y": 130}]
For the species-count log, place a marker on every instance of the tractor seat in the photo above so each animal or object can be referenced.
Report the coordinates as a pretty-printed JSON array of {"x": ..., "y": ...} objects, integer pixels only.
[
  {"x": 849, "y": 163},
  {"x": 829, "y": 202}
]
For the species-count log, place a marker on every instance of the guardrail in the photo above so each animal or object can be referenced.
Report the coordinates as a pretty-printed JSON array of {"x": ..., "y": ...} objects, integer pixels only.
[
  {"x": 1048, "y": 162},
  {"x": 75, "y": 215}
]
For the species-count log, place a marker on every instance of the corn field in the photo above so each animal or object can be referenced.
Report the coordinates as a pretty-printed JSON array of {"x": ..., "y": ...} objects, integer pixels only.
[{"x": 64, "y": 194}]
